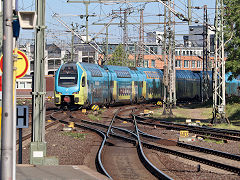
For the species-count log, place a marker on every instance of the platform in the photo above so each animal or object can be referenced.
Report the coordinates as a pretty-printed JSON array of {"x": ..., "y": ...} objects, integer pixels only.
[{"x": 61, "y": 172}]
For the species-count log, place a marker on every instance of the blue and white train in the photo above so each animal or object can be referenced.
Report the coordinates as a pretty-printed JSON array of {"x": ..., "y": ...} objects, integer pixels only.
[{"x": 86, "y": 84}]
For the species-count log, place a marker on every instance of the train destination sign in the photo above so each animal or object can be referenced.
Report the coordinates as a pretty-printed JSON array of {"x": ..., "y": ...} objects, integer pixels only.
[{"x": 22, "y": 64}]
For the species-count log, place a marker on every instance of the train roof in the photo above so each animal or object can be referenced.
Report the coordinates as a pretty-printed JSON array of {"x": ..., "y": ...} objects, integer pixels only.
[
  {"x": 227, "y": 75},
  {"x": 93, "y": 70},
  {"x": 186, "y": 74},
  {"x": 159, "y": 71}
]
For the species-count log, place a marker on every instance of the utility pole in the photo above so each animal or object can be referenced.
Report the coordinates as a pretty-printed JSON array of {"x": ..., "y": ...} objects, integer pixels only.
[
  {"x": 7, "y": 97},
  {"x": 219, "y": 102},
  {"x": 72, "y": 45},
  {"x": 125, "y": 13},
  {"x": 125, "y": 34},
  {"x": 1, "y": 27},
  {"x": 205, "y": 77},
  {"x": 86, "y": 4},
  {"x": 189, "y": 12},
  {"x": 38, "y": 144},
  {"x": 106, "y": 53},
  {"x": 140, "y": 56},
  {"x": 169, "y": 63}
]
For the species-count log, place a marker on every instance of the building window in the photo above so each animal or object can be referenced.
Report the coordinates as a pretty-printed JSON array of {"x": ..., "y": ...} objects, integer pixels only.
[
  {"x": 191, "y": 53},
  {"x": 186, "y": 63},
  {"x": 145, "y": 63},
  {"x": 178, "y": 63},
  {"x": 187, "y": 52},
  {"x": 199, "y": 64},
  {"x": 193, "y": 64},
  {"x": 183, "y": 53},
  {"x": 153, "y": 63},
  {"x": 151, "y": 50}
]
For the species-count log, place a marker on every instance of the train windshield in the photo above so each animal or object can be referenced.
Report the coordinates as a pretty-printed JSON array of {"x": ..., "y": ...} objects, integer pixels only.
[{"x": 68, "y": 76}]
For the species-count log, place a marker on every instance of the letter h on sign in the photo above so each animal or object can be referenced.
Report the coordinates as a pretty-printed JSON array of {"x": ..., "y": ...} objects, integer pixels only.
[{"x": 22, "y": 116}]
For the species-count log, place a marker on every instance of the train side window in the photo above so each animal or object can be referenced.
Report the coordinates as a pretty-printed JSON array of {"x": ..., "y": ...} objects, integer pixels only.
[{"x": 83, "y": 81}]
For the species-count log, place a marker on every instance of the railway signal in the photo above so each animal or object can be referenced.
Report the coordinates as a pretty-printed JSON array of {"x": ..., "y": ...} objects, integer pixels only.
[{"x": 21, "y": 65}]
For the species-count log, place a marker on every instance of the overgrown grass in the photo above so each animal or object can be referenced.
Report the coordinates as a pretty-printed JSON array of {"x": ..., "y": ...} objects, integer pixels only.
[
  {"x": 180, "y": 114},
  {"x": 214, "y": 141},
  {"x": 227, "y": 126},
  {"x": 94, "y": 117},
  {"x": 75, "y": 135}
]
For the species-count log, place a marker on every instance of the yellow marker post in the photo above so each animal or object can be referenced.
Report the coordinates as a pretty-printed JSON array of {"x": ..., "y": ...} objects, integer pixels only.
[
  {"x": 95, "y": 107},
  {"x": 71, "y": 125},
  {"x": 184, "y": 133},
  {"x": 159, "y": 103},
  {"x": 146, "y": 111}
]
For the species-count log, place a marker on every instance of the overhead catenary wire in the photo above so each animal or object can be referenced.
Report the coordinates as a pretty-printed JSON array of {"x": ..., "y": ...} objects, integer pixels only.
[{"x": 98, "y": 49}]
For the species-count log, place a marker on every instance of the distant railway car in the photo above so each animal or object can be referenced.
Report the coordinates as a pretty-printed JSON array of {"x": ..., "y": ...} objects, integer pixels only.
[
  {"x": 152, "y": 86},
  {"x": 233, "y": 86},
  {"x": 188, "y": 84}
]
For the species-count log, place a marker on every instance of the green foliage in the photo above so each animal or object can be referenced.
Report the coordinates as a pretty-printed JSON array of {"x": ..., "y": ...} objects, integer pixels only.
[
  {"x": 232, "y": 33},
  {"x": 94, "y": 117},
  {"x": 227, "y": 126},
  {"x": 119, "y": 57},
  {"x": 75, "y": 135},
  {"x": 214, "y": 141}
]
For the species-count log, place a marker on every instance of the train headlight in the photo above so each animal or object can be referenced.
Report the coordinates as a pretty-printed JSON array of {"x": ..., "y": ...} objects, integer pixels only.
[
  {"x": 75, "y": 93},
  {"x": 76, "y": 100},
  {"x": 57, "y": 100}
]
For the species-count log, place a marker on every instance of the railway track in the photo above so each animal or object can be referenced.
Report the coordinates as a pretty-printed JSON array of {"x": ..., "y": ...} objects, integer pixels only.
[
  {"x": 119, "y": 133},
  {"x": 167, "y": 150},
  {"x": 212, "y": 132},
  {"x": 131, "y": 137}
]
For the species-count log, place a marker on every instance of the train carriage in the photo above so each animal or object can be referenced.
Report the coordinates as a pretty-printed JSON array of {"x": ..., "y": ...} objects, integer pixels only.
[
  {"x": 120, "y": 79},
  {"x": 152, "y": 83},
  {"x": 187, "y": 84},
  {"x": 233, "y": 86},
  {"x": 97, "y": 84}
]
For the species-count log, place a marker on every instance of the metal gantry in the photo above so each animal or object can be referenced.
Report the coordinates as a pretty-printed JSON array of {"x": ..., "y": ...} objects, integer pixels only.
[
  {"x": 169, "y": 77},
  {"x": 38, "y": 143},
  {"x": 219, "y": 67},
  {"x": 140, "y": 55},
  {"x": 206, "y": 51}
]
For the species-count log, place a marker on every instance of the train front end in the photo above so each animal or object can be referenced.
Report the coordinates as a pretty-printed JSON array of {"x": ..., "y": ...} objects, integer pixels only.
[{"x": 70, "y": 85}]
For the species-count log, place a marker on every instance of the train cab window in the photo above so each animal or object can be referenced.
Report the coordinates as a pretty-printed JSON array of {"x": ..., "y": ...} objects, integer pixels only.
[
  {"x": 68, "y": 76},
  {"x": 83, "y": 81}
]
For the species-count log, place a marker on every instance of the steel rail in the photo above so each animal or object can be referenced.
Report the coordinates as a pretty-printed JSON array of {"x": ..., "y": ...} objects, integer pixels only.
[
  {"x": 174, "y": 126},
  {"x": 194, "y": 158},
  {"x": 210, "y": 129},
  {"x": 98, "y": 160},
  {"x": 155, "y": 171},
  {"x": 166, "y": 150},
  {"x": 196, "y": 148}
]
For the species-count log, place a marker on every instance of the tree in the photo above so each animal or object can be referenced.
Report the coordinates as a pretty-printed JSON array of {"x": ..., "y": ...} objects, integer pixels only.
[
  {"x": 119, "y": 57},
  {"x": 232, "y": 36}
]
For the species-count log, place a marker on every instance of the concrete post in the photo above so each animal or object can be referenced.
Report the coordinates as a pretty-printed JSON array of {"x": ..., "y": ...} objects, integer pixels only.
[{"x": 7, "y": 99}]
